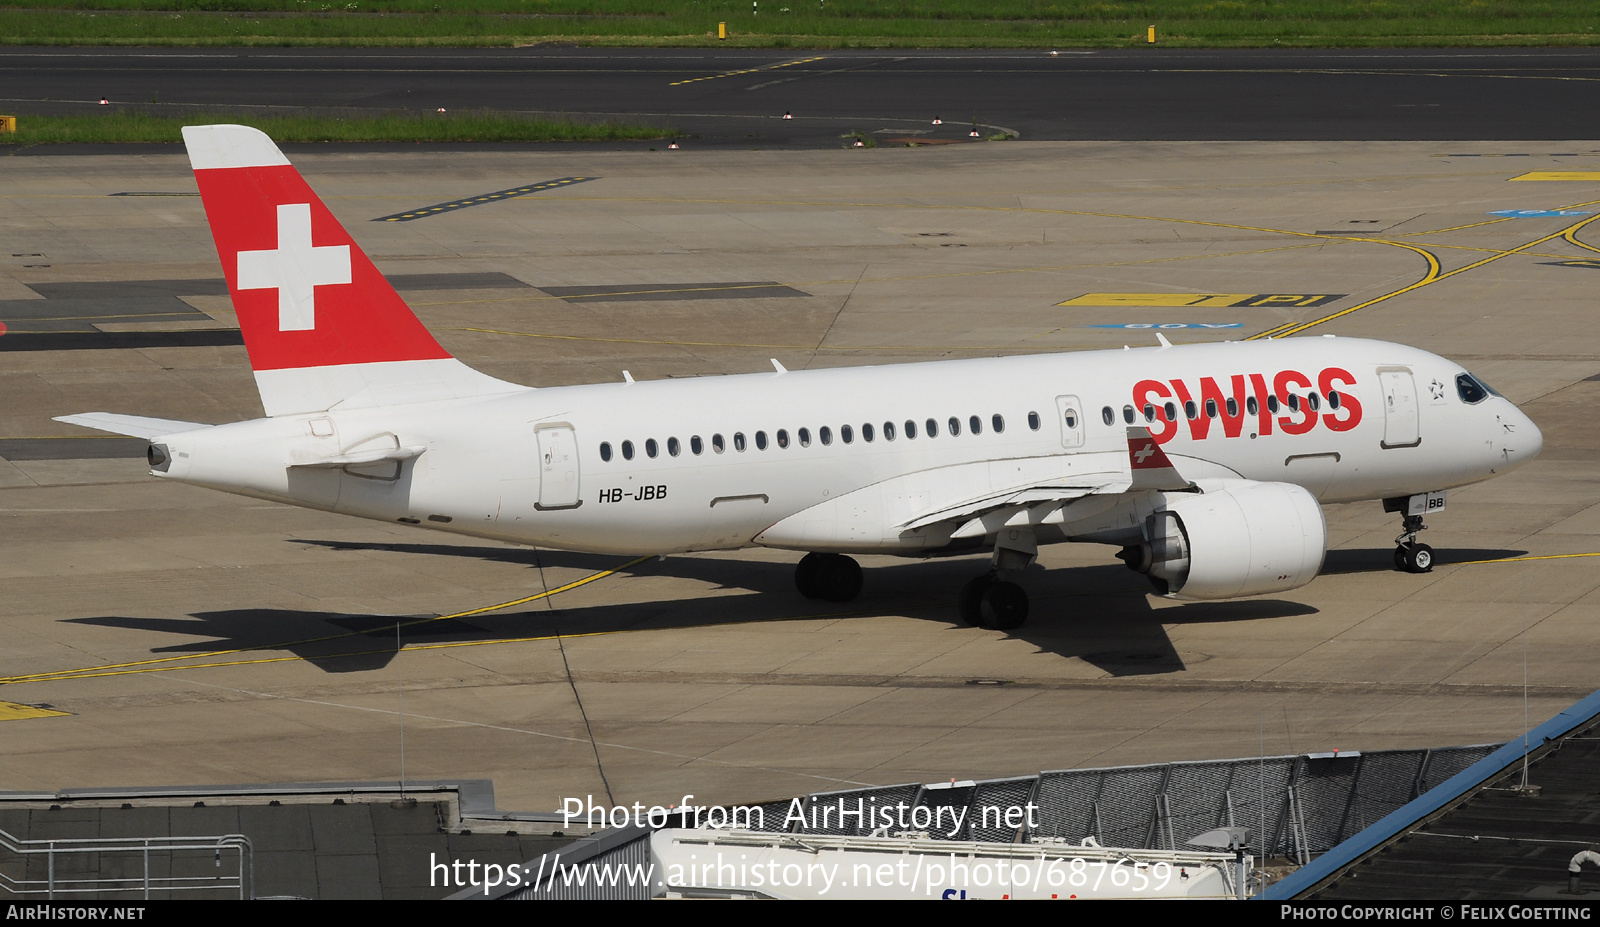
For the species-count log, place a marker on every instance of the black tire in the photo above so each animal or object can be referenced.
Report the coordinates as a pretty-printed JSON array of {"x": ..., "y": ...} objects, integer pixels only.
[
  {"x": 1400, "y": 559},
  {"x": 805, "y": 575},
  {"x": 1004, "y": 606},
  {"x": 969, "y": 601},
  {"x": 839, "y": 578},
  {"x": 1419, "y": 559}
]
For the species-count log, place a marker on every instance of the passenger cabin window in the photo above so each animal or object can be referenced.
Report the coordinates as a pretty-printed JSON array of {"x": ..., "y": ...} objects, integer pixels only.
[
  {"x": 1233, "y": 407},
  {"x": 888, "y": 431},
  {"x": 761, "y": 440},
  {"x": 605, "y": 450},
  {"x": 627, "y": 450},
  {"x": 930, "y": 428},
  {"x": 738, "y": 441},
  {"x": 696, "y": 445},
  {"x": 1313, "y": 401},
  {"x": 673, "y": 447},
  {"x": 716, "y": 444},
  {"x": 1149, "y": 412},
  {"x": 825, "y": 435},
  {"x": 650, "y": 447},
  {"x": 911, "y": 430},
  {"x": 1108, "y": 416},
  {"x": 1294, "y": 402},
  {"x": 998, "y": 423},
  {"x": 1172, "y": 411},
  {"x": 975, "y": 425},
  {"x": 1333, "y": 399},
  {"x": 846, "y": 434},
  {"x": 1272, "y": 404},
  {"x": 1128, "y": 414},
  {"x": 783, "y": 437},
  {"x": 955, "y": 426},
  {"x": 1211, "y": 408},
  {"x": 866, "y": 433},
  {"x": 1252, "y": 406},
  {"x": 1033, "y": 421},
  {"x": 805, "y": 437},
  {"x": 1190, "y": 411}
]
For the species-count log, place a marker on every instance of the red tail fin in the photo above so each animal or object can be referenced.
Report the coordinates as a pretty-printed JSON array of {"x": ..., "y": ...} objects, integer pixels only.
[{"x": 306, "y": 295}]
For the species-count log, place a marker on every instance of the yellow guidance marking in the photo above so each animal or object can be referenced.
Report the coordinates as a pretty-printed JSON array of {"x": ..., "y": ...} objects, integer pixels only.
[
  {"x": 1522, "y": 559},
  {"x": 1590, "y": 176},
  {"x": 92, "y": 671},
  {"x": 770, "y": 67},
  {"x": 11, "y": 711},
  {"x": 1204, "y": 300},
  {"x": 1432, "y": 276}
]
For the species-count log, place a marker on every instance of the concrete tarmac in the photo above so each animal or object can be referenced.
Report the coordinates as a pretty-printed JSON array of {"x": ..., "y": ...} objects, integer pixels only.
[{"x": 159, "y": 634}]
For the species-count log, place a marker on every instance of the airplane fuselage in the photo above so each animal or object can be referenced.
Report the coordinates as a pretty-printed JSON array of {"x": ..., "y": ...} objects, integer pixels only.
[{"x": 842, "y": 459}]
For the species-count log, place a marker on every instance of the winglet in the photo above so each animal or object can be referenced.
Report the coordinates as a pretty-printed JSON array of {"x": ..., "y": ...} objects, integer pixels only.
[{"x": 1151, "y": 468}]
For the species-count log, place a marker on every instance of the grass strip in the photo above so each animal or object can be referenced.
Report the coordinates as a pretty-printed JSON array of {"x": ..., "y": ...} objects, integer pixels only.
[
  {"x": 803, "y": 23},
  {"x": 115, "y": 126}
]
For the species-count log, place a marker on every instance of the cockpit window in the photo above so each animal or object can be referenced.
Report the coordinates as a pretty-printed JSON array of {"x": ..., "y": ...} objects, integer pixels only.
[{"x": 1470, "y": 390}]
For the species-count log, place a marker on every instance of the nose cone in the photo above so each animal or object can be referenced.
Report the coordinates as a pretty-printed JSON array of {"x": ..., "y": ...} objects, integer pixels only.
[{"x": 1522, "y": 440}]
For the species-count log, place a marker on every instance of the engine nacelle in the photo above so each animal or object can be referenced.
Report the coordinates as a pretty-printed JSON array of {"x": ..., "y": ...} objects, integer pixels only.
[{"x": 1242, "y": 539}]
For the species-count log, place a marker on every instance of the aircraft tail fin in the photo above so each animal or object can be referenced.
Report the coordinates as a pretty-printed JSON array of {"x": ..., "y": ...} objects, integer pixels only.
[{"x": 321, "y": 324}]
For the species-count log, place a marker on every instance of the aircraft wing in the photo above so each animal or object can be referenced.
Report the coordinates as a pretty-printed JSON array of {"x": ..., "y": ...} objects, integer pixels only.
[
  {"x": 1044, "y": 503},
  {"x": 1028, "y": 505},
  {"x": 134, "y": 426}
]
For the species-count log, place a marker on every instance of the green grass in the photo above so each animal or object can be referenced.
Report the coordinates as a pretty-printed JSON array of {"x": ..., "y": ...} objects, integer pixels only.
[
  {"x": 802, "y": 23},
  {"x": 137, "y": 126}
]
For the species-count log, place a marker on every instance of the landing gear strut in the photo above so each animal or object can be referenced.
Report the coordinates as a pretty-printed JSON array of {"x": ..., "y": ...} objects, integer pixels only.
[
  {"x": 989, "y": 602},
  {"x": 834, "y": 577},
  {"x": 1410, "y": 555}
]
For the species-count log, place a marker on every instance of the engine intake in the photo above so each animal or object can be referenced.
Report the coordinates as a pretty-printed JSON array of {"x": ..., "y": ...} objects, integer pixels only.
[{"x": 1242, "y": 539}]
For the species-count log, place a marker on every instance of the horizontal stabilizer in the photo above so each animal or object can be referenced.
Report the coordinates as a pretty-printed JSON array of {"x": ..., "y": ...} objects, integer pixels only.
[{"x": 134, "y": 426}]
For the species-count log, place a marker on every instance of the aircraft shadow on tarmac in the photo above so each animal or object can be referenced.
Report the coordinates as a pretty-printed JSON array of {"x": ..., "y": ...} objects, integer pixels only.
[{"x": 1100, "y": 614}]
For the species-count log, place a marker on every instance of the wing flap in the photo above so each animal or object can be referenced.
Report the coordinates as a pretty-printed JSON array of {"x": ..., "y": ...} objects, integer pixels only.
[{"x": 1038, "y": 498}]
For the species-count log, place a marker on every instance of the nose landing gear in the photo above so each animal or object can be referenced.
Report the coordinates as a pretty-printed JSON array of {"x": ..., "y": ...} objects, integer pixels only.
[{"x": 1410, "y": 555}]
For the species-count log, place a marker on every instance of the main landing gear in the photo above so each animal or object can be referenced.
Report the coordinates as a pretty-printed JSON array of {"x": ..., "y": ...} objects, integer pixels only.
[
  {"x": 989, "y": 602},
  {"x": 993, "y": 603},
  {"x": 1410, "y": 555},
  {"x": 834, "y": 577}
]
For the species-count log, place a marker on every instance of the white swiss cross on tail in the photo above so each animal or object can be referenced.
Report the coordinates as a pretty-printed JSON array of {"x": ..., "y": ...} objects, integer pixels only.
[{"x": 296, "y": 269}]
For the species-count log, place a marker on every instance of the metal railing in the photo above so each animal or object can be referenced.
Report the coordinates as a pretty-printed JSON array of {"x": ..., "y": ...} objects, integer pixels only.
[{"x": 56, "y": 883}]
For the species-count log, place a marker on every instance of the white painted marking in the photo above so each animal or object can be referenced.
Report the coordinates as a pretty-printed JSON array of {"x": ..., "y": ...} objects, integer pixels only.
[{"x": 296, "y": 269}]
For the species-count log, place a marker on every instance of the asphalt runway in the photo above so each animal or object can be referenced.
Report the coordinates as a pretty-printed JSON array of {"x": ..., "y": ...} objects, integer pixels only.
[
  {"x": 738, "y": 97},
  {"x": 159, "y": 634}
]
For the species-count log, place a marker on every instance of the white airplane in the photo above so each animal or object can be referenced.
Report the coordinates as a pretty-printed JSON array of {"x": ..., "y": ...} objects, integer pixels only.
[{"x": 1205, "y": 463}]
